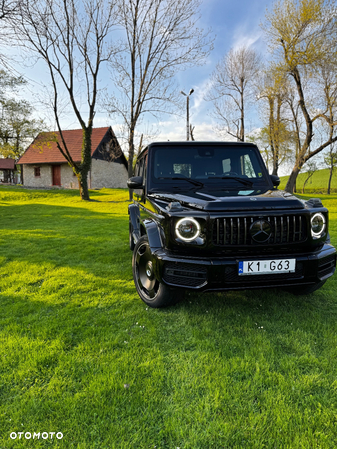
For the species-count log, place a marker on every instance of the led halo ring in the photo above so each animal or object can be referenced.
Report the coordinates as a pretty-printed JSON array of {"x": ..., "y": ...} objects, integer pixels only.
[
  {"x": 194, "y": 222},
  {"x": 318, "y": 234}
]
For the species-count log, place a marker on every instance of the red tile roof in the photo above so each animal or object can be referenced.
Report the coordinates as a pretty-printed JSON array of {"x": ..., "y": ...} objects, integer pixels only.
[
  {"x": 42, "y": 151},
  {"x": 7, "y": 164}
]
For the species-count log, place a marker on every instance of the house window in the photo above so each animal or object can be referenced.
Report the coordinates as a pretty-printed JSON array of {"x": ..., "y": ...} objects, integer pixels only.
[{"x": 37, "y": 172}]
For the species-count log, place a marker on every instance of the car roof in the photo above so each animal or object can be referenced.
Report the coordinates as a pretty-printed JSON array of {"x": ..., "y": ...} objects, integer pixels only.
[{"x": 184, "y": 143}]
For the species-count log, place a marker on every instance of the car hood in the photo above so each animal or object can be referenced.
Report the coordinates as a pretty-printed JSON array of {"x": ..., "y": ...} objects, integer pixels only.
[{"x": 234, "y": 200}]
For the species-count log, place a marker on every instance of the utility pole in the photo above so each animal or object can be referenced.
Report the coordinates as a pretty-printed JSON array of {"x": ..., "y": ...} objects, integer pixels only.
[{"x": 187, "y": 112}]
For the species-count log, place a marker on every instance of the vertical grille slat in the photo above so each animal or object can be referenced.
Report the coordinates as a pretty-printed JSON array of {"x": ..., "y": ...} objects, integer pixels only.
[
  {"x": 245, "y": 224},
  {"x": 224, "y": 231},
  {"x": 231, "y": 231}
]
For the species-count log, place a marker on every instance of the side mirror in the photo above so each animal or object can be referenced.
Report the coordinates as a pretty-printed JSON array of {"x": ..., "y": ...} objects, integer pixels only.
[
  {"x": 275, "y": 180},
  {"x": 136, "y": 182}
]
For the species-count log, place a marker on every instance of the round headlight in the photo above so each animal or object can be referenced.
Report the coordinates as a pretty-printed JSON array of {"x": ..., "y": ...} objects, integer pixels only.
[
  {"x": 187, "y": 229},
  {"x": 317, "y": 224}
]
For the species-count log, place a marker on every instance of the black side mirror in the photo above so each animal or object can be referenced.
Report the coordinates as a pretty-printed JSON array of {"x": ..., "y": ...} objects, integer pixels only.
[
  {"x": 136, "y": 182},
  {"x": 275, "y": 180}
]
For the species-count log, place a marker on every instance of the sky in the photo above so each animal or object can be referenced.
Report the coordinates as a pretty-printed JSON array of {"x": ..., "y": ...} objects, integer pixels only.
[{"x": 233, "y": 24}]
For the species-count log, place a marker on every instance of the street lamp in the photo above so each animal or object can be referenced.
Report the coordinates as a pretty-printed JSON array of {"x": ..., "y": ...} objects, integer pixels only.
[{"x": 187, "y": 112}]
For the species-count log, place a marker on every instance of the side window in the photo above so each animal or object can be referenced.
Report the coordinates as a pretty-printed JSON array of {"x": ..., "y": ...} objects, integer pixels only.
[
  {"x": 247, "y": 166},
  {"x": 145, "y": 170},
  {"x": 139, "y": 167}
]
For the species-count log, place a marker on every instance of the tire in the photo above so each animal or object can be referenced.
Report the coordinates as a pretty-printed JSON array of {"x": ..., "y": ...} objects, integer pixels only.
[
  {"x": 131, "y": 242},
  {"x": 305, "y": 290},
  {"x": 151, "y": 291}
]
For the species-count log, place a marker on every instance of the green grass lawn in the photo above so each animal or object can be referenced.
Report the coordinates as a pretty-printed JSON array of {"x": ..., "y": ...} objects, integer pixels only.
[
  {"x": 318, "y": 183},
  {"x": 82, "y": 355}
]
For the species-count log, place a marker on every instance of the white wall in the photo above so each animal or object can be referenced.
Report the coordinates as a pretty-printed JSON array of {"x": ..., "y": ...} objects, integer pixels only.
[
  {"x": 108, "y": 174},
  {"x": 103, "y": 174}
]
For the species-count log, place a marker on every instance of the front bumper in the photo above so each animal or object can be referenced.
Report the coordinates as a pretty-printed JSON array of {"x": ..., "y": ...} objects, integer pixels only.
[{"x": 218, "y": 274}]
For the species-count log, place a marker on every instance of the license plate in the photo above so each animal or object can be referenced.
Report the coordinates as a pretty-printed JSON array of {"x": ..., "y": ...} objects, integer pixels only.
[{"x": 273, "y": 266}]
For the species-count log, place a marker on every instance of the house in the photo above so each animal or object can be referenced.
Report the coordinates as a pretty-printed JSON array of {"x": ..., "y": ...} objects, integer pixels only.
[
  {"x": 43, "y": 165},
  {"x": 7, "y": 170}
]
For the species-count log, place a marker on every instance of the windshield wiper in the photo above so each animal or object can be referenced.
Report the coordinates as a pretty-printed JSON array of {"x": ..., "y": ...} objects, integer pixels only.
[
  {"x": 244, "y": 181},
  {"x": 176, "y": 178}
]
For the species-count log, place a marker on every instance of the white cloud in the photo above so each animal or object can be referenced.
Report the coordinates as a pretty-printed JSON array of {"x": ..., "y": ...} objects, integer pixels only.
[{"x": 245, "y": 36}]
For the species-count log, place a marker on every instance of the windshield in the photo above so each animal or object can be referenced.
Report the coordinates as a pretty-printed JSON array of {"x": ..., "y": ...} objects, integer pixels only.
[{"x": 207, "y": 166}]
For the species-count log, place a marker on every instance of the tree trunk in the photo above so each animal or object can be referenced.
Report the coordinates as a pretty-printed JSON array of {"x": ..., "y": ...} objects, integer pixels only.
[
  {"x": 292, "y": 180},
  {"x": 329, "y": 183},
  {"x": 304, "y": 185},
  {"x": 83, "y": 186},
  {"x": 242, "y": 119},
  {"x": 86, "y": 164}
]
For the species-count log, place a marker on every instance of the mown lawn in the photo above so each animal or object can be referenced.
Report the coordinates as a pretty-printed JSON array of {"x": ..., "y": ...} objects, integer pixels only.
[
  {"x": 318, "y": 183},
  {"x": 82, "y": 355}
]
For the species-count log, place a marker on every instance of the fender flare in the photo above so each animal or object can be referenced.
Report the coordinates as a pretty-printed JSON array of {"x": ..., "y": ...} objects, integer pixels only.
[
  {"x": 153, "y": 235},
  {"x": 134, "y": 219}
]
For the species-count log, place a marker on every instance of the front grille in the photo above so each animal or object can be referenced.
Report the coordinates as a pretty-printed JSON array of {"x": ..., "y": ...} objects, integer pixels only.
[
  {"x": 326, "y": 265},
  {"x": 185, "y": 274},
  {"x": 232, "y": 231}
]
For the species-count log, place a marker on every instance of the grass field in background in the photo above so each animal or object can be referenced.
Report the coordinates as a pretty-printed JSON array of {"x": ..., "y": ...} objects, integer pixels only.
[
  {"x": 82, "y": 355},
  {"x": 318, "y": 183}
]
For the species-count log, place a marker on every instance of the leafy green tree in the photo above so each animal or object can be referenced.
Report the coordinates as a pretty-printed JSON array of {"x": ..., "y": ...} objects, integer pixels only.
[
  {"x": 17, "y": 126},
  {"x": 272, "y": 95},
  {"x": 303, "y": 37}
]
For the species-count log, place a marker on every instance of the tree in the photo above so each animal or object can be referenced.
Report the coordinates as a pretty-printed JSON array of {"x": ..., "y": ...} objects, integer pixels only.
[
  {"x": 9, "y": 83},
  {"x": 311, "y": 167},
  {"x": 9, "y": 9},
  {"x": 232, "y": 87},
  {"x": 331, "y": 161},
  {"x": 160, "y": 37},
  {"x": 70, "y": 36},
  {"x": 273, "y": 92},
  {"x": 17, "y": 126},
  {"x": 303, "y": 37}
]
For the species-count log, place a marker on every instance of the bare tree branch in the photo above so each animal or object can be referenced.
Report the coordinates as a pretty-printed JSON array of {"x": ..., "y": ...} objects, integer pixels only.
[{"x": 71, "y": 37}]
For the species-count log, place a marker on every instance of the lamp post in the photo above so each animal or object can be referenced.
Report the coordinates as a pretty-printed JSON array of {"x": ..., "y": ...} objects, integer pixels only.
[{"x": 187, "y": 112}]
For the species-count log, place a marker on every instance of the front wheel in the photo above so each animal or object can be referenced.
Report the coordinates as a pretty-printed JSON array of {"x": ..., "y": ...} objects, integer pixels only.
[
  {"x": 305, "y": 289},
  {"x": 151, "y": 291}
]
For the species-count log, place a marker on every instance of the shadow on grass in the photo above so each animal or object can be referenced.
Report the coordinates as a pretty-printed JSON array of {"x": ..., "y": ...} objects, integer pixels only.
[{"x": 63, "y": 236}]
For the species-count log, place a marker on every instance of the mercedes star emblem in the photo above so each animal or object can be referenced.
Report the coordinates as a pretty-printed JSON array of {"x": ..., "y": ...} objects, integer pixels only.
[{"x": 260, "y": 231}]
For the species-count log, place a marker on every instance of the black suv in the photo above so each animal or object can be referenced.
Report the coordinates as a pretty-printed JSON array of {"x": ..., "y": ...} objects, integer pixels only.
[{"x": 207, "y": 216}]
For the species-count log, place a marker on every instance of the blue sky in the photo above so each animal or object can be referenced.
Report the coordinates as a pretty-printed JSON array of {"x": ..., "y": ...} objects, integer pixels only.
[{"x": 233, "y": 24}]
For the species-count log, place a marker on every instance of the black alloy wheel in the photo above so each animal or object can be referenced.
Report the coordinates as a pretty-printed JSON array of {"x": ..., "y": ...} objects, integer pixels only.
[{"x": 153, "y": 292}]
